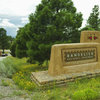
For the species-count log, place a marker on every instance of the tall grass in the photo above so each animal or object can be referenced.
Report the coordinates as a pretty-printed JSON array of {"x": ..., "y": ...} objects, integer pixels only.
[
  {"x": 83, "y": 89},
  {"x": 11, "y": 65}
]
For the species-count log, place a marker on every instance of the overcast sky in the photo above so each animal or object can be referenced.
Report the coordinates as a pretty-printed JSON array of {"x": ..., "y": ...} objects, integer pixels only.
[{"x": 14, "y": 13}]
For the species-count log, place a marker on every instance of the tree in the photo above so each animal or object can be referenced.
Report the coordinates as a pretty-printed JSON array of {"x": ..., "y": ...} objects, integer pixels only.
[
  {"x": 3, "y": 39},
  {"x": 87, "y": 28},
  {"x": 10, "y": 39},
  {"x": 94, "y": 20},
  {"x": 18, "y": 47},
  {"x": 20, "y": 42},
  {"x": 13, "y": 48},
  {"x": 54, "y": 21}
]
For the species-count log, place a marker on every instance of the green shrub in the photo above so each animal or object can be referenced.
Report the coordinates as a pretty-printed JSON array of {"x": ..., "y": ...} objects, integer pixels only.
[
  {"x": 29, "y": 67},
  {"x": 5, "y": 83},
  {"x": 45, "y": 63},
  {"x": 11, "y": 65},
  {"x": 22, "y": 79},
  {"x": 86, "y": 94},
  {"x": 6, "y": 68},
  {"x": 20, "y": 52}
]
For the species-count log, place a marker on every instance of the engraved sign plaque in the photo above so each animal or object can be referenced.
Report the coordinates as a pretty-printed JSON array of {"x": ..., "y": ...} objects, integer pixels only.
[{"x": 75, "y": 56}]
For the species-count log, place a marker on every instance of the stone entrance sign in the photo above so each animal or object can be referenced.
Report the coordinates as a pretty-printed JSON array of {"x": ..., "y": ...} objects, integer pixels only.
[
  {"x": 72, "y": 60},
  {"x": 90, "y": 37}
]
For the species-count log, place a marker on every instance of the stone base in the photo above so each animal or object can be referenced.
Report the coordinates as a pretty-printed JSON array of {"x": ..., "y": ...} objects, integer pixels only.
[{"x": 44, "y": 79}]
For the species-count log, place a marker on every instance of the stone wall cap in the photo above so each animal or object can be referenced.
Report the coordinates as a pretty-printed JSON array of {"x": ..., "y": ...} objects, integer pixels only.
[{"x": 77, "y": 44}]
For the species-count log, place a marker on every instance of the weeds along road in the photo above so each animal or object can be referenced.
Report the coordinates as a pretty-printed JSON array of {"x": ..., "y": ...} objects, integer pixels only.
[
  {"x": 8, "y": 89},
  {"x": 1, "y": 58}
]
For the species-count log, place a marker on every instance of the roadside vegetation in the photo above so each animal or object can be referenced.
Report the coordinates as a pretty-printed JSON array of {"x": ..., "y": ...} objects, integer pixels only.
[{"x": 20, "y": 71}]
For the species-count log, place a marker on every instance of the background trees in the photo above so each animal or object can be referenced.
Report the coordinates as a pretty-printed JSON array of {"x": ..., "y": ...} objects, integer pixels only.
[
  {"x": 4, "y": 43},
  {"x": 93, "y": 21},
  {"x": 54, "y": 21}
]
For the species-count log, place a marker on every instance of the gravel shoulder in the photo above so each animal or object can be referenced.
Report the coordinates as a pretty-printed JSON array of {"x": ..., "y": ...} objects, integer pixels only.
[{"x": 9, "y": 91}]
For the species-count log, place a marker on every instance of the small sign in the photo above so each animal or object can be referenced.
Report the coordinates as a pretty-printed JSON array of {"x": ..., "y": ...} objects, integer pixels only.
[{"x": 79, "y": 56}]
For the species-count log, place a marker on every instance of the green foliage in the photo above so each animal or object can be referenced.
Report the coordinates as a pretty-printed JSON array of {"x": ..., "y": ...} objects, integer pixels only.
[
  {"x": 54, "y": 21},
  {"x": 86, "y": 94},
  {"x": 33, "y": 67},
  {"x": 13, "y": 49},
  {"x": 18, "y": 93},
  {"x": 94, "y": 20},
  {"x": 81, "y": 89},
  {"x": 18, "y": 47},
  {"x": 23, "y": 81},
  {"x": 10, "y": 41},
  {"x": 87, "y": 89},
  {"x": 5, "y": 83},
  {"x": 19, "y": 52},
  {"x": 20, "y": 71},
  {"x": 21, "y": 40},
  {"x": 4, "y": 43},
  {"x": 11, "y": 65},
  {"x": 87, "y": 28},
  {"x": 6, "y": 69}
]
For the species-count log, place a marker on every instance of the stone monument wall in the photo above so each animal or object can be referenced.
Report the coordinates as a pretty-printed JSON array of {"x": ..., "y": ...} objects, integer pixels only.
[
  {"x": 90, "y": 37},
  {"x": 76, "y": 57}
]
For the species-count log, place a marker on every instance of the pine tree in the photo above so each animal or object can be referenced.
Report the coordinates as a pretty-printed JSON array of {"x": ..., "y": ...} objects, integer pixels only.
[
  {"x": 94, "y": 20},
  {"x": 3, "y": 39},
  {"x": 54, "y": 21}
]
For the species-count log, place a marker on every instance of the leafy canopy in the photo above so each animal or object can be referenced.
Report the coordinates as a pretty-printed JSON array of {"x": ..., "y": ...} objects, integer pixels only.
[
  {"x": 54, "y": 21},
  {"x": 4, "y": 43},
  {"x": 94, "y": 20}
]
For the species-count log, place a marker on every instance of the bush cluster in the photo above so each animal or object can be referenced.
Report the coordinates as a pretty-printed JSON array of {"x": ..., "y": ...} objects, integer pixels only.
[
  {"x": 54, "y": 22},
  {"x": 23, "y": 81},
  {"x": 20, "y": 71},
  {"x": 86, "y": 94}
]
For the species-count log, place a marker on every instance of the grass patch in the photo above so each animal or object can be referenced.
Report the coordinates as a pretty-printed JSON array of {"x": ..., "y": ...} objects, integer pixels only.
[
  {"x": 20, "y": 71},
  {"x": 22, "y": 79},
  {"x": 18, "y": 93},
  {"x": 83, "y": 89},
  {"x": 86, "y": 94},
  {"x": 1, "y": 96},
  {"x": 11, "y": 65},
  {"x": 5, "y": 83}
]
